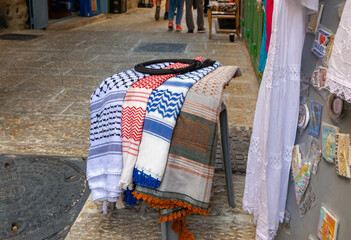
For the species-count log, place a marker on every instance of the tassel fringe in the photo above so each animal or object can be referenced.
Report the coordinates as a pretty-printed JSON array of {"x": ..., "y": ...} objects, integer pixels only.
[{"x": 166, "y": 203}]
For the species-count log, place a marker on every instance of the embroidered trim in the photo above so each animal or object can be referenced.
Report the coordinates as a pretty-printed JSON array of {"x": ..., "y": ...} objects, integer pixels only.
[{"x": 339, "y": 90}]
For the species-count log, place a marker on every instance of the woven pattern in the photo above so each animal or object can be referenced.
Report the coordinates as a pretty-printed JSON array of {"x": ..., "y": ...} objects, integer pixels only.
[
  {"x": 104, "y": 164},
  {"x": 162, "y": 111},
  {"x": 133, "y": 113},
  {"x": 199, "y": 114}
]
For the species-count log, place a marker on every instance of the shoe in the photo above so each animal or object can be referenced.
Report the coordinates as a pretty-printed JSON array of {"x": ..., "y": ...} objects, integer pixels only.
[
  {"x": 165, "y": 17},
  {"x": 178, "y": 28},
  {"x": 190, "y": 31},
  {"x": 157, "y": 13},
  {"x": 170, "y": 26},
  {"x": 201, "y": 30}
]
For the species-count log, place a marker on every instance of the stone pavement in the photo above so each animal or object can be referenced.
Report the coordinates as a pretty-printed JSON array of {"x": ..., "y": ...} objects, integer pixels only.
[{"x": 45, "y": 86}]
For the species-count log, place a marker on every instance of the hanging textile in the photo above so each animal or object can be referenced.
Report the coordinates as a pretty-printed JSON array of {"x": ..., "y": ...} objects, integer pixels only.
[
  {"x": 339, "y": 69},
  {"x": 275, "y": 121},
  {"x": 104, "y": 166},
  {"x": 161, "y": 116},
  {"x": 133, "y": 113},
  {"x": 187, "y": 182},
  {"x": 263, "y": 52},
  {"x": 269, "y": 14}
]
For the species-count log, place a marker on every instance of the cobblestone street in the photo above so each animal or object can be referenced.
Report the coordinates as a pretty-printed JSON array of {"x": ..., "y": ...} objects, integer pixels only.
[{"x": 45, "y": 86}]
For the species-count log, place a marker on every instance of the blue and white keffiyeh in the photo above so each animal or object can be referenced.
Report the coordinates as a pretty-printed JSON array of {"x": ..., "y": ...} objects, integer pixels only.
[{"x": 162, "y": 111}]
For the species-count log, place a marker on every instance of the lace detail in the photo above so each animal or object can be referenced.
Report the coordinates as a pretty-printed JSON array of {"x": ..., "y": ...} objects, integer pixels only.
[
  {"x": 339, "y": 90},
  {"x": 339, "y": 70},
  {"x": 277, "y": 76}
]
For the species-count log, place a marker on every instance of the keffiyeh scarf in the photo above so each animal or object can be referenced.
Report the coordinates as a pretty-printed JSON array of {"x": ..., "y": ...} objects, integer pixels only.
[
  {"x": 133, "y": 113},
  {"x": 161, "y": 115},
  {"x": 104, "y": 164},
  {"x": 187, "y": 182}
]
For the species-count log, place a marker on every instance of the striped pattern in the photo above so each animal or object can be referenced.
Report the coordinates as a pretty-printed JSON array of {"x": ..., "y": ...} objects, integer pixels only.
[
  {"x": 162, "y": 112},
  {"x": 133, "y": 113},
  {"x": 104, "y": 166},
  {"x": 187, "y": 182}
]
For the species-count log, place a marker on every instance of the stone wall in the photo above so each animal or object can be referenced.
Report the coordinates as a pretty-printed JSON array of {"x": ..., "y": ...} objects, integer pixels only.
[{"x": 14, "y": 14}]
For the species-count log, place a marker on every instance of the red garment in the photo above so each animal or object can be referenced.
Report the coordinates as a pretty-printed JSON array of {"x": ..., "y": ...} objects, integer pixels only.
[{"x": 269, "y": 14}]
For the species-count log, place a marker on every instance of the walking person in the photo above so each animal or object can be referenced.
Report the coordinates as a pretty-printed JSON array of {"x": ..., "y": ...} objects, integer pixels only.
[
  {"x": 173, "y": 6},
  {"x": 199, "y": 4},
  {"x": 158, "y": 9}
]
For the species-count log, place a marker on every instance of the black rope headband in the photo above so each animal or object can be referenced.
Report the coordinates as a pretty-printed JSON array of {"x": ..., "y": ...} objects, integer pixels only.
[{"x": 194, "y": 64}]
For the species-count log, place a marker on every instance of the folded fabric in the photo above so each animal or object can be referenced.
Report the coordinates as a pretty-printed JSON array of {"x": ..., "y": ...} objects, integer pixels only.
[
  {"x": 104, "y": 164},
  {"x": 133, "y": 113},
  {"x": 162, "y": 111},
  {"x": 187, "y": 182}
]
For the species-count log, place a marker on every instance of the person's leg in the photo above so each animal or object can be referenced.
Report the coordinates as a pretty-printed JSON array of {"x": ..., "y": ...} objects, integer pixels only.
[
  {"x": 200, "y": 14},
  {"x": 172, "y": 8},
  {"x": 189, "y": 15},
  {"x": 158, "y": 6},
  {"x": 180, "y": 7},
  {"x": 206, "y": 2},
  {"x": 166, "y": 10}
]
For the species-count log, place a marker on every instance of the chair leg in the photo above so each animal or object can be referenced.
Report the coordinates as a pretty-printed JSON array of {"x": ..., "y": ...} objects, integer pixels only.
[
  {"x": 209, "y": 16},
  {"x": 223, "y": 119}
]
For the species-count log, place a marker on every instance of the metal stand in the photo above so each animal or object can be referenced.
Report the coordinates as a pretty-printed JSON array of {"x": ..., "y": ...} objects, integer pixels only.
[{"x": 167, "y": 232}]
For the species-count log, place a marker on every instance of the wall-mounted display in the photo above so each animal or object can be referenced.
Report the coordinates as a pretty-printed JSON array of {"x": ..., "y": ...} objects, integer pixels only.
[
  {"x": 342, "y": 154},
  {"x": 301, "y": 182},
  {"x": 314, "y": 19},
  {"x": 314, "y": 156},
  {"x": 321, "y": 41},
  {"x": 296, "y": 161},
  {"x": 328, "y": 141},
  {"x": 327, "y": 226},
  {"x": 335, "y": 106},
  {"x": 322, "y": 76},
  {"x": 315, "y": 121},
  {"x": 308, "y": 201},
  {"x": 304, "y": 116}
]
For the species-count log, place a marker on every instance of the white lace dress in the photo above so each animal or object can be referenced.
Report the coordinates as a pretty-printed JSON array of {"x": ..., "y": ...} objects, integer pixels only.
[
  {"x": 275, "y": 122},
  {"x": 339, "y": 70}
]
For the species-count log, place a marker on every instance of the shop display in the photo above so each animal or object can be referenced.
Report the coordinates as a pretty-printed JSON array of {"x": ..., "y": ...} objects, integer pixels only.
[
  {"x": 321, "y": 41},
  {"x": 322, "y": 76},
  {"x": 330, "y": 49},
  {"x": 335, "y": 106},
  {"x": 273, "y": 134},
  {"x": 315, "y": 81},
  {"x": 339, "y": 68},
  {"x": 301, "y": 182},
  {"x": 314, "y": 156},
  {"x": 304, "y": 116},
  {"x": 342, "y": 154},
  {"x": 133, "y": 114},
  {"x": 162, "y": 112},
  {"x": 187, "y": 180},
  {"x": 296, "y": 161},
  {"x": 314, "y": 19},
  {"x": 307, "y": 202},
  {"x": 327, "y": 226},
  {"x": 315, "y": 121},
  {"x": 328, "y": 141},
  {"x": 104, "y": 165}
]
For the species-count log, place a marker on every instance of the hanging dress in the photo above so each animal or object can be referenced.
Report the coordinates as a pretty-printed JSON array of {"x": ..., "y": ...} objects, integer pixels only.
[
  {"x": 339, "y": 70},
  {"x": 275, "y": 121}
]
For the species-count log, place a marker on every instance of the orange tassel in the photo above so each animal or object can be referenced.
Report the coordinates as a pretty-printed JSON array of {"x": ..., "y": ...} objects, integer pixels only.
[
  {"x": 185, "y": 235},
  {"x": 177, "y": 225}
]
